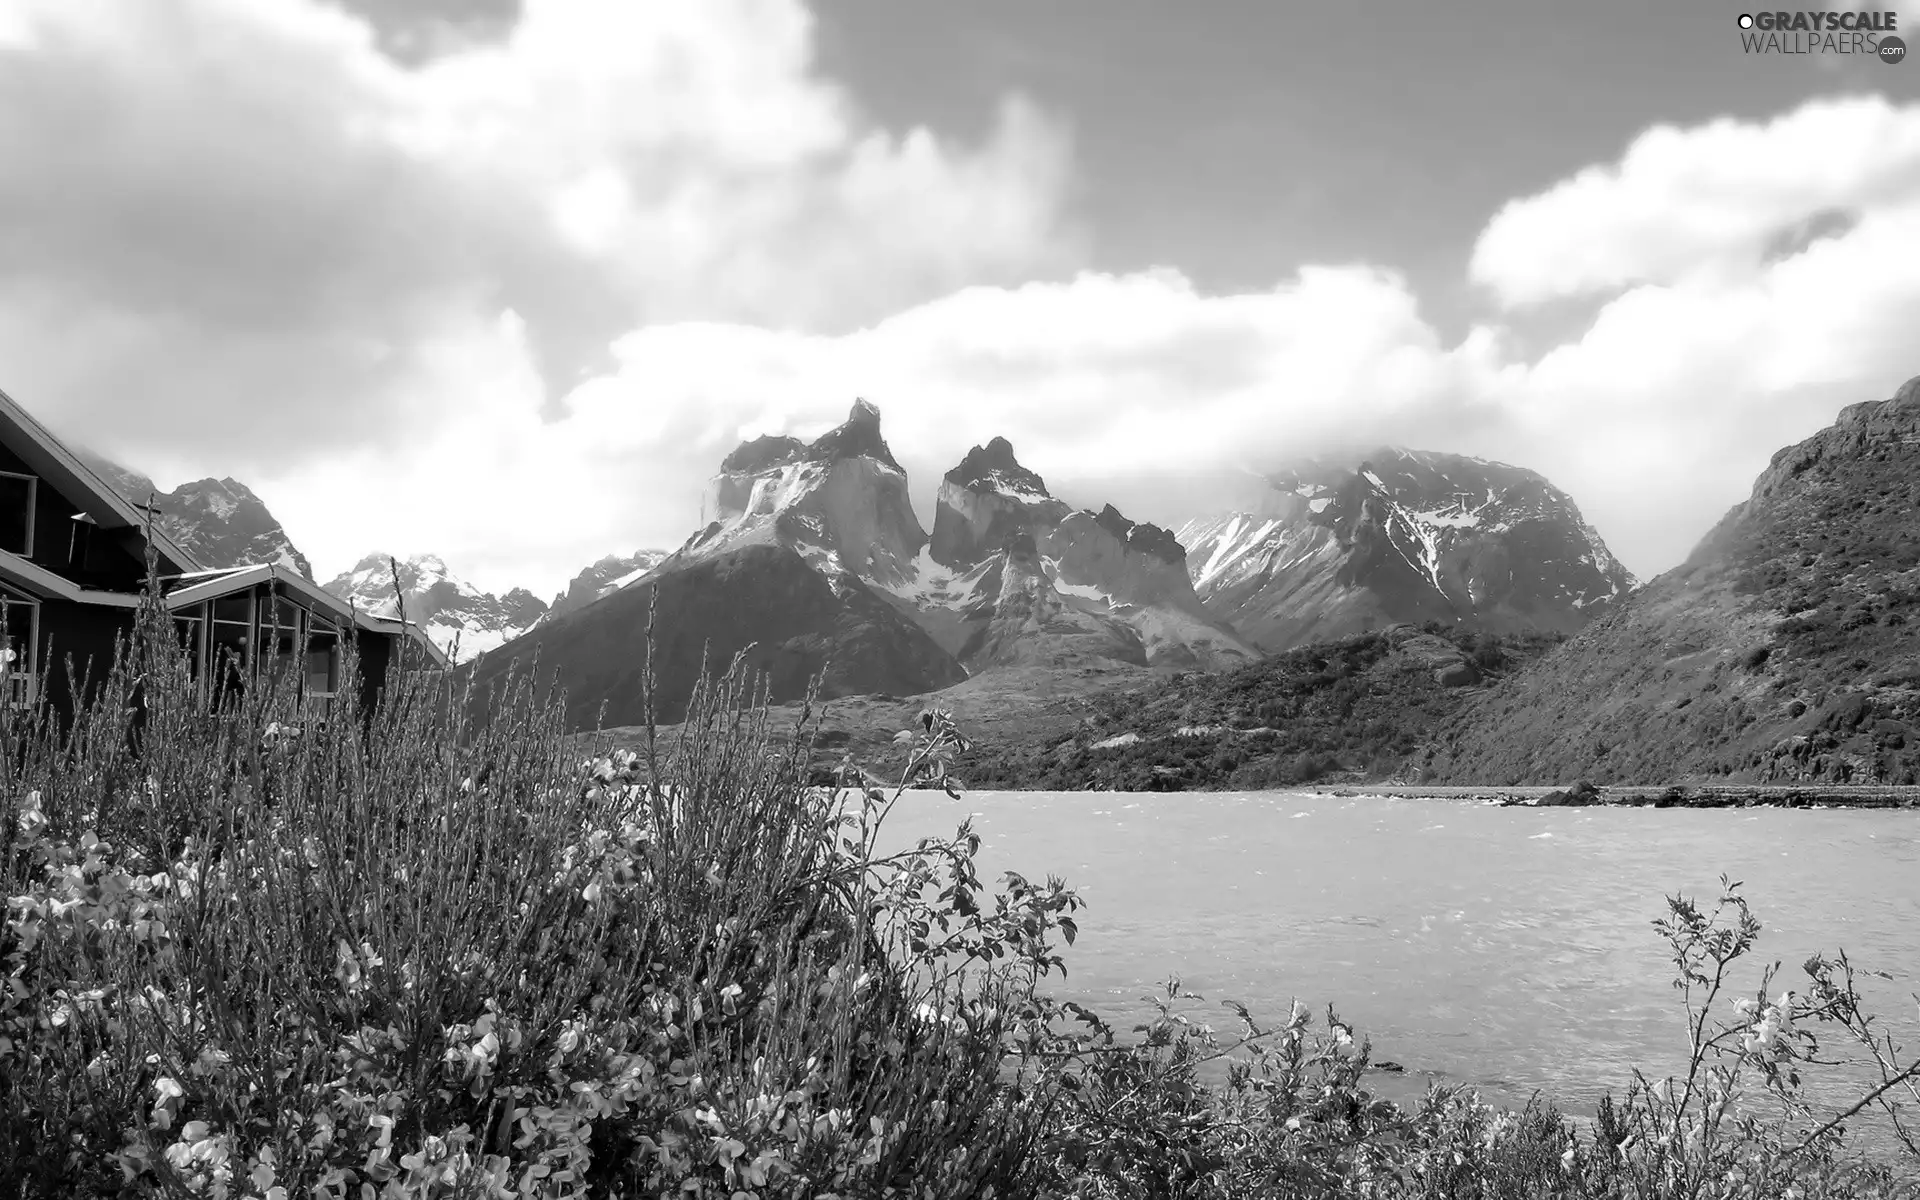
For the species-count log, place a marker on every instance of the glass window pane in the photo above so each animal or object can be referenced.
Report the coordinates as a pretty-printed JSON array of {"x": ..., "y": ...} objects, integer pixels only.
[
  {"x": 234, "y": 608},
  {"x": 17, "y": 648},
  {"x": 19, "y": 634},
  {"x": 16, "y": 514},
  {"x": 323, "y": 665}
]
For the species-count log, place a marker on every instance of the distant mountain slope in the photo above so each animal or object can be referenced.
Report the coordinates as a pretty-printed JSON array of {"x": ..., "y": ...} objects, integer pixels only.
[
  {"x": 1786, "y": 648},
  {"x": 603, "y": 578},
  {"x": 454, "y": 612},
  {"x": 1336, "y": 548},
  {"x": 798, "y": 621},
  {"x": 219, "y": 521}
]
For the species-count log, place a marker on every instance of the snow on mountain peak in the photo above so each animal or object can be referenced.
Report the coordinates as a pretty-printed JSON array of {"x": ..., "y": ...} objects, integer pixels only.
[
  {"x": 456, "y": 614},
  {"x": 1402, "y": 535}
]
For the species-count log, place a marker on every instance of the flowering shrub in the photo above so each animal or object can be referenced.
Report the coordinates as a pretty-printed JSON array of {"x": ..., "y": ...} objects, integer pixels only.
[{"x": 403, "y": 954}]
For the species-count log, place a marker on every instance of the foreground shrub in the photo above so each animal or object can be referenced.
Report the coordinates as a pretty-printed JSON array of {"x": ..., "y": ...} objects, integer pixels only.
[
  {"x": 403, "y": 955},
  {"x": 408, "y": 954}
]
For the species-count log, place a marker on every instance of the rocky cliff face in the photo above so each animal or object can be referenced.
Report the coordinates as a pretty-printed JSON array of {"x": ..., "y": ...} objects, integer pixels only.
[
  {"x": 840, "y": 503},
  {"x": 454, "y": 612},
  {"x": 1336, "y": 548},
  {"x": 986, "y": 500},
  {"x": 1785, "y": 649},
  {"x": 219, "y": 521},
  {"x": 1014, "y": 576},
  {"x": 604, "y": 578}
]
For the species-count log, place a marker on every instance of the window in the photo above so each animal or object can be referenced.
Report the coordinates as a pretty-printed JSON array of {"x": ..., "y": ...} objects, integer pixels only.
[
  {"x": 16, "y": 513},
  {"x": 21, "y": 618},
  {"x": 323, "y": 657},
  {"x": 281, "y": 636},
  {"x": 322, "y": 678},
  {"x": 230, "y": 638},
  {"x": 191, "y": 631}
]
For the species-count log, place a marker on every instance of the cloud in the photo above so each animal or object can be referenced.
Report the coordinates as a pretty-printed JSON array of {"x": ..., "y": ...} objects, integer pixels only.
[
  {"x": 1701, "y": 203},
  {"x": 246, "y": 228},
  {"x": 513, "y": 303},
  {"x": 1143, "y": 390}
]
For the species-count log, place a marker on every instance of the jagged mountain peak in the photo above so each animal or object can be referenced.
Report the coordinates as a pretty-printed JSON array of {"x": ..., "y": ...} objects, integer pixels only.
[
  {"x": 605, "y": 577},
  {"x": 1142, "y": 537},
  {"x": 763, "y": 453},
  {"x": 858, "y": 437},
  {"x": 993, "y": 467},
  {"x": 840, "y": 502},
  {"x": 221, "y": 522},
  {"x": 1014, "y": 576},
  {"x": 453, "y": 611}
]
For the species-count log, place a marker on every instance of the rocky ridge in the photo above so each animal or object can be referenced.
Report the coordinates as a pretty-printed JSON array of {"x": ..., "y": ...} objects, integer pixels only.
[
  {"x": 456, "y": 615},
  {"x": 221, "y": 522},
  {"x": 1336, "y": 547},
  {"x": 603, "y": 578},
  {"x": 1785, "y": 650}
]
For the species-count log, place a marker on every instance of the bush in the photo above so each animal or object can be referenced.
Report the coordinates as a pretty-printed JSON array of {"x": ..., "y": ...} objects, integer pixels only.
[
  {"x": 407, "y": 956},
  {"x": 402, "y": 954}
]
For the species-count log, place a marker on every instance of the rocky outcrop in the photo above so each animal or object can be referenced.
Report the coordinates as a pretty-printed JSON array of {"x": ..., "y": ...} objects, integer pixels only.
[
  {"x": 1337, "y": 547},
  {"x": 1014, "y": 576},
  {"x": 221, "y": 522},
  {"x": 1785, "y": 649},
  {"x": 460, "y": 618},
  {"x": 603, "y": 578},
  {"x": 839, "y": 502},
  {"x": 985, "y": 502}
]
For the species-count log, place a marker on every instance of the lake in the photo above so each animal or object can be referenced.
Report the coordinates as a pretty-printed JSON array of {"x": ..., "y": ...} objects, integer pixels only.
[{"x": 1509, "y": 948}]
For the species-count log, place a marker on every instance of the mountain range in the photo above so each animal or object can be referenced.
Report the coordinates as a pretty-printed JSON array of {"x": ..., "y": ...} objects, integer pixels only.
[
  {"x": 1335, "y": 548},
  {"x": 1010, "y": 577},
  {"x": 1783, "y": 650},
  {"x": 457, "y": 615},
  {"x": 811, "y": 559}
]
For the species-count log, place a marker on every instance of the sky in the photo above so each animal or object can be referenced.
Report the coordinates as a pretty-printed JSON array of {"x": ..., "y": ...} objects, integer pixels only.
[{"x": 504, "y": 280}]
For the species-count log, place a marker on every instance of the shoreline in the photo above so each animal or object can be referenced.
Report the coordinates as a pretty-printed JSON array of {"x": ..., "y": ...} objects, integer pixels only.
[
  {"x": 1714, "y": 795},
  {"x": 1704, "y": 795},
  {"x": 1727, "y": 795}
]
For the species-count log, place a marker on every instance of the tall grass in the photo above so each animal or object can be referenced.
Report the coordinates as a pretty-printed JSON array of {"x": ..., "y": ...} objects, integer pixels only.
[{"x": 414, "y": 952}]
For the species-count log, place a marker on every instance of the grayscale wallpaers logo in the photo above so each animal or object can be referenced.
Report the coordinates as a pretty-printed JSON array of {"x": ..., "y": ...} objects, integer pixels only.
[{"x": 1870, "y": 34}]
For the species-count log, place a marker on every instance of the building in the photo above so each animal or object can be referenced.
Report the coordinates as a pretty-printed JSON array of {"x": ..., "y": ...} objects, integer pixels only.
[{"x": 73, "y": 567}]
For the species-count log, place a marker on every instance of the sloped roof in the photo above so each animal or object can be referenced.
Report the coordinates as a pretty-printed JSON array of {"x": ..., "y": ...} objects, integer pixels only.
[
  {"x": 50, "y": 459},
  {"x": 31, "y": 577},
  {"x": 411, "y": 629},
  {"x": 201, "y": 586}
]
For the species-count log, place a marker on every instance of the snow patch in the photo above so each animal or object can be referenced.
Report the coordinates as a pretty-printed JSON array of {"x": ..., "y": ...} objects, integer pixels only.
[{"x": 1457, "y": 518}]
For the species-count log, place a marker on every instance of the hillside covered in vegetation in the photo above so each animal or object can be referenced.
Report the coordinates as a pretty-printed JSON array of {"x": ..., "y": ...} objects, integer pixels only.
[
  {"x": 1786, "y": 649},
  {"x": 1367, "y": 707}
]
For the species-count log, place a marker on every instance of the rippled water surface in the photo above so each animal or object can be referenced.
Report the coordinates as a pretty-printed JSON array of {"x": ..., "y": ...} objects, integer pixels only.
[{"x": 1506, "y": 947}]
